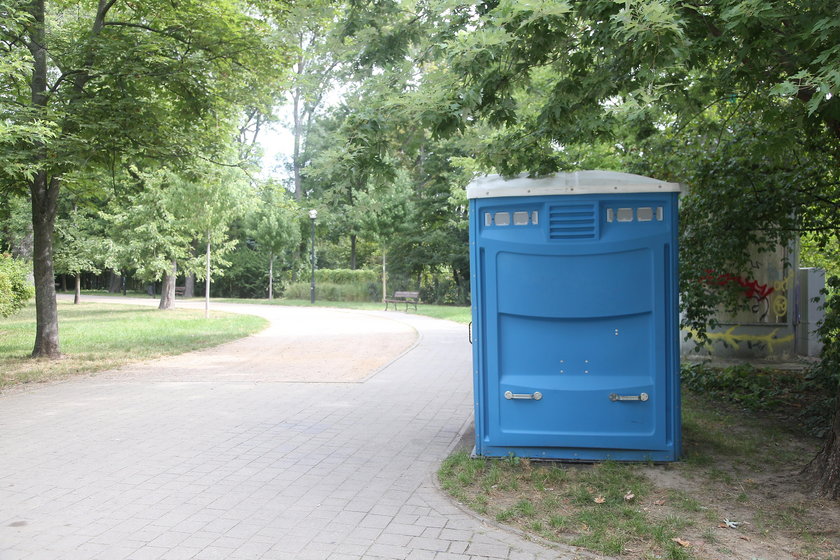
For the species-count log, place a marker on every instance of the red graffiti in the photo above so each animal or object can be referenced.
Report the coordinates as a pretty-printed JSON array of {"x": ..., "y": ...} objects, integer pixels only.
[{"x": 752, "y": 289}]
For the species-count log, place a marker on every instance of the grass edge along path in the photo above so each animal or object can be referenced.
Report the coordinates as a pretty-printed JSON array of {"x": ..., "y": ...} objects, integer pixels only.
[
  {"x": 101, "y": 336},
  {"x": 457, "y": 313},
  {"x": 595, "y": 507}
]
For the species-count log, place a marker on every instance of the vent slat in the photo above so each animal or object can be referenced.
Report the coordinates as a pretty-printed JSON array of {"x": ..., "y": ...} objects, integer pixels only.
[{"x": 572, "y": 221}]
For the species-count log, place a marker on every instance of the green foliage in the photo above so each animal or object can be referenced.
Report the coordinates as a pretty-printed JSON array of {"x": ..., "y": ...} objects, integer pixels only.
[
  {"x": 246, "y": 277},
  {"x": 205, "y": 199},
  {"x": 15, "y": 288},
  {"x": 356, "y": 291},
  {"x": 146, "y": 228},
  {"x": 823, "y": 254},
  {"x": 113, "y": 90},
  {"x": 805, "y": 397},
  {"x": 15, "y": 224},
  {"x": 275, "y": 228},
  {"x": 81, "y": 244},
  {"x": 346, "y": 276}
]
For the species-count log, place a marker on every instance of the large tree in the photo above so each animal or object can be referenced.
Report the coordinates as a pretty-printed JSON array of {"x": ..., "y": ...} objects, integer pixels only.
[{"x": 100, "y": 82}]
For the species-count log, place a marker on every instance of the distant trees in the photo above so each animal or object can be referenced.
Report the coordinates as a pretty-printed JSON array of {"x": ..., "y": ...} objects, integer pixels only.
[
  {"x": 81, "y": 246},
  {"x": 275, "y": 228}
]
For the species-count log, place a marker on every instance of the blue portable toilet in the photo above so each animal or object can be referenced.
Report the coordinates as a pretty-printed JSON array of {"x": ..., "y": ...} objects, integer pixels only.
[{"x": 575, "y": 317}]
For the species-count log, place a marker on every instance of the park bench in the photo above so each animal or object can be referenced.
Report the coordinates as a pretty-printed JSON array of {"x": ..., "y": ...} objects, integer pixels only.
[
  {"x": 179, "y": 290},
  {"x": 408, "y": 298}
]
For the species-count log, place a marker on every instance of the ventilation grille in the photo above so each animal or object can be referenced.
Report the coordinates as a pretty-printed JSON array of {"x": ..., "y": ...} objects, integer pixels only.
[{"x": 573, "y": 221}]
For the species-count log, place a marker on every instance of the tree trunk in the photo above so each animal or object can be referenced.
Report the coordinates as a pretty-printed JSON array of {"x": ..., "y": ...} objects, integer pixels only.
[
  {"x": 352, "y": 251},
  {"x": 189, "y": 285},
  {"x": 824, "y": 470},
  {"x": 44, "y": 196},
  {"x": 384, "y": 276},
  {"x": 114, "y": 282},
  {"x": 77, "y": 296},
  {"x": 167, "y": 290},
  {"x": 207, "y": 281},
  {"x": 271, "y": 276}
]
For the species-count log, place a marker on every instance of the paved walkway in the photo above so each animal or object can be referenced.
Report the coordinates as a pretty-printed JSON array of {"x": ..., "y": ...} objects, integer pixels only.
[{"x": 196, "y": 464}]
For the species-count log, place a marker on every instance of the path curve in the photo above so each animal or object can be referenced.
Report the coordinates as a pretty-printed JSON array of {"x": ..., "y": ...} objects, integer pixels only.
[{"x": 197, "y": 463}]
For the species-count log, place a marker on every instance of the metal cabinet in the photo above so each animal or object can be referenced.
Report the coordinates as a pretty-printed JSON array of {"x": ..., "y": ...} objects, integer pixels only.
[{"x": 575, "y": 316}]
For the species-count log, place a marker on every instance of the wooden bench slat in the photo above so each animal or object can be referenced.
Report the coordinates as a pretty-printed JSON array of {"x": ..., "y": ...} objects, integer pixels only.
[{"x": 408, "y": 298}]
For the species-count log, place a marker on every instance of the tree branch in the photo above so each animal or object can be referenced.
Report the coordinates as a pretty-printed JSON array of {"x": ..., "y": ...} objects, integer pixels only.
[
  {"x": 63, "y": 77},
  {"x": 169, "y": 32}
]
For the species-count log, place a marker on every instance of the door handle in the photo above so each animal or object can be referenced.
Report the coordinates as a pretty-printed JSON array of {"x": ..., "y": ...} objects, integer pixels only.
[
  {"x": 536, "y": 395},
  {"x": 640, "y": 397}
]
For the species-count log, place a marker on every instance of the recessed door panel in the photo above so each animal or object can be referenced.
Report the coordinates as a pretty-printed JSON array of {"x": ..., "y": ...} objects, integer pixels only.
[
  {"x": 572, "y": 361},
  {"x": 576, "y": 366}
]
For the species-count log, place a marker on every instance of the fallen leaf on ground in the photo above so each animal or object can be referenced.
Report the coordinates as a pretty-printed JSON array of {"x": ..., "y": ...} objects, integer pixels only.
[
  {"x": 629, "y": 496},
  {"x": 744, "y": 538},
  {"x": 682, "y": 542},
  {"x": 659, "y": 503},
  {"x": 600, "y": 500}
]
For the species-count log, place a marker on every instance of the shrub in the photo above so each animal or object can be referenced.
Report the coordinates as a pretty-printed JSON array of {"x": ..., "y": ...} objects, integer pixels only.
[
  {"x": 346, "y": 276},
  {"x": 807, "y": 397},
  {"x": 328, "y": 291},
  {"x": 15, "y": 289}
]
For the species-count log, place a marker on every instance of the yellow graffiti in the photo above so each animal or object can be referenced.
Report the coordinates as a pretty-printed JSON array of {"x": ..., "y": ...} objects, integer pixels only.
[
  {"x": 785, "y": 283},
  {"x": 780, "y": 305},
  {"x": 780, "y": 300},
  {"x": 733, "y": 339}
]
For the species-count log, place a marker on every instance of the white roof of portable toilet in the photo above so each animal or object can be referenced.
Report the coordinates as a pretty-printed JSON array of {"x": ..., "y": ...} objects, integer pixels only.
[{"x": 576, "y": 182}]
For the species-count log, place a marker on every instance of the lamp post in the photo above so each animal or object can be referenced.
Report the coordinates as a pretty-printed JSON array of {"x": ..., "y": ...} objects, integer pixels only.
[{"x": 313, "y": 214}]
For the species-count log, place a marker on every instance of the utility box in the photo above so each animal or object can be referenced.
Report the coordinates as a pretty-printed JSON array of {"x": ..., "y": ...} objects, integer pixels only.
[{"x": 575, "y": 317}]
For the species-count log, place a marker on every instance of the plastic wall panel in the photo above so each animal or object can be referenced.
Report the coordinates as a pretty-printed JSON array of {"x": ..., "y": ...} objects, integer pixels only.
[{"x": 574, "y": 301}]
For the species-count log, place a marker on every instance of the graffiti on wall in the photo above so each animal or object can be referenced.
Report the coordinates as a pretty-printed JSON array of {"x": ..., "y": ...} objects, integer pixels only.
[
  {"x": 780, "y": 300},
  {"x": 765, "y": 297},
  {"x": 753, "y": 290},
  {"x": 737, "y": 335}
]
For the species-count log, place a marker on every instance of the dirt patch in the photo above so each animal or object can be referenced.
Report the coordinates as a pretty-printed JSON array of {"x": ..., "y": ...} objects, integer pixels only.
[
  {"x": 740, "y": 511},
  {"x": 302, "y": 345}
]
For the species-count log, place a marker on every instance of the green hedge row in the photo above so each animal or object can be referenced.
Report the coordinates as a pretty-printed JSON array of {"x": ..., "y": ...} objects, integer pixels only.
[
  {"x": 346, "y": 276},
  {"x": 330, "y": 291}
]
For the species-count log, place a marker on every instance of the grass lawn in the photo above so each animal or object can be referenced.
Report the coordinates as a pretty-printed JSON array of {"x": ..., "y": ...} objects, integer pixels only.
[
  {"x": 738, "y": 465},
  {"x": 459, "y": 314},
  {"x": 96, "y": 336}
]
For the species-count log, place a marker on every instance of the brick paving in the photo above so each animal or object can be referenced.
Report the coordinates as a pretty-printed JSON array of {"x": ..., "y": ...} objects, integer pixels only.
[{"x": 195, "y": 466}]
